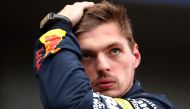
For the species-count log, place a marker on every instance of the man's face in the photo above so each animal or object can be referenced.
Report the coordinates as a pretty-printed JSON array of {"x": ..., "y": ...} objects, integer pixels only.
[{"x": 107, "y": 59}]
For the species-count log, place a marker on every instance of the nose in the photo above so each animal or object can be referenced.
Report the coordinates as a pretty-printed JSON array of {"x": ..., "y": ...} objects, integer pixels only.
[{"x": 103, "y": 64}]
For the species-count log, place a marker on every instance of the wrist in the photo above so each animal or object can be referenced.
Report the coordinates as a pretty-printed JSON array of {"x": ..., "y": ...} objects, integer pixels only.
[{"x": 51, "y": 18}]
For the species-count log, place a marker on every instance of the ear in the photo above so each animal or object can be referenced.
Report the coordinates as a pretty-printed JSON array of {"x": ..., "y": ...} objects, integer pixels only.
[{"x": 136, "y": 55}]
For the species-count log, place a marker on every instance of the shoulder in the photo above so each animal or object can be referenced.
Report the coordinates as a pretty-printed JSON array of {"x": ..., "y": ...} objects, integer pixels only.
[{"x": 156, "y": 101}]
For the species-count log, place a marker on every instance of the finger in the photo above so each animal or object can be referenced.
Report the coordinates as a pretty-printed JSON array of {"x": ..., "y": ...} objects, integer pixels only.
[{"x": 84, "y": 4}]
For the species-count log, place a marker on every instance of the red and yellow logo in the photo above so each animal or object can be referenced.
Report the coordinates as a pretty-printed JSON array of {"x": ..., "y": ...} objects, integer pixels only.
[{"x": 51, "y": 39}]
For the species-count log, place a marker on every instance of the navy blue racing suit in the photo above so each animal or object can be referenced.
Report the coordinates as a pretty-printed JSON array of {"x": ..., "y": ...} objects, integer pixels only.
[{"x": 63, "y": 83}]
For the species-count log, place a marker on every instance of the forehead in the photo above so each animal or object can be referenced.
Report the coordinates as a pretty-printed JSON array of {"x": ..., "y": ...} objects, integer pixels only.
[{"x": 102, "y": 36}]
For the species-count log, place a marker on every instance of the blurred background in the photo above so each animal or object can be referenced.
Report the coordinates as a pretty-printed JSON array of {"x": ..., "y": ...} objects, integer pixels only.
[{"x": 161, "y": 28}]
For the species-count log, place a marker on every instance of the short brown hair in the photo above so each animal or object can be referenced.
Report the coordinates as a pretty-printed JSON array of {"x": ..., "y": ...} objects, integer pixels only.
[{"x": 105, "y": 12}]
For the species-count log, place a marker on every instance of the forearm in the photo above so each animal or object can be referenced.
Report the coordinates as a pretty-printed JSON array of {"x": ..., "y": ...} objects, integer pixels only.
[{"x": 60, "y": 75}]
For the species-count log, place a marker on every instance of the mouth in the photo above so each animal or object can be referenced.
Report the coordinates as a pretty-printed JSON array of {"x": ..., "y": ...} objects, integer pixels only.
[{"x": 105, "y": 83}]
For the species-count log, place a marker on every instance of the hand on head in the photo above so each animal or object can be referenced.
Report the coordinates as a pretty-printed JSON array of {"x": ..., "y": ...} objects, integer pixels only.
[{"x": 74, "y": 12}]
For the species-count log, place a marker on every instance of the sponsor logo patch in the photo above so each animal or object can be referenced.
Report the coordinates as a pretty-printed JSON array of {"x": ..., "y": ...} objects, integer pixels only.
[
  {"x": 51, "y": 39},
  {"x": 39, "y": 58}
]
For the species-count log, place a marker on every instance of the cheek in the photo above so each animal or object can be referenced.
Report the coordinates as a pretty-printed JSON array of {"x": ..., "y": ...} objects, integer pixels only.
[
  {"x": 89, "y": 71},
  {"x": 125, "y": 63},
  {"x": 125, "y": 68},
  {"x": 126, "y": 75}
]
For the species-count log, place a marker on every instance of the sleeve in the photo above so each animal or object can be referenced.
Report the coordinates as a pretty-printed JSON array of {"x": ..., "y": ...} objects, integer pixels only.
[
  {"x": 61, "y": 78},
  {"x": 60, "y": 75}
]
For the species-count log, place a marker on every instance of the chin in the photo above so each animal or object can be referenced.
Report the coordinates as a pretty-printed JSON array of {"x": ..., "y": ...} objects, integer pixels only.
[{"x": 111, "y": 94}]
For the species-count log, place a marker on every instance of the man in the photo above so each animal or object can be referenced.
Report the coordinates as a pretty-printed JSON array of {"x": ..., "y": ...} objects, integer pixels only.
[{"x": 108, "y": 56}]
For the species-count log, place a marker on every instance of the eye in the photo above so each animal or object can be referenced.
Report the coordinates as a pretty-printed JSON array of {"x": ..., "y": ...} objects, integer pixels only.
[
  {"x": 115, "y": 51},
  {"x": 87, "y": 56}
]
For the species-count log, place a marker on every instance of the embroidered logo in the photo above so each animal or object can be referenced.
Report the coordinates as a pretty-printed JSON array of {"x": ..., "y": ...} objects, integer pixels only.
[{"x": 51, "y": 39}]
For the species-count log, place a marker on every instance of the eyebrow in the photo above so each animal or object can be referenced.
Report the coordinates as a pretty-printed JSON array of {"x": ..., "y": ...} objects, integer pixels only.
[
  {"x": 114, "y": 44},
  {"x": 90, "y": 50}
]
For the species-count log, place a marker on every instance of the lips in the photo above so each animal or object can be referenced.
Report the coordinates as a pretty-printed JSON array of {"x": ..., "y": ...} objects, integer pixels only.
[{"x": 105, "y": 83}]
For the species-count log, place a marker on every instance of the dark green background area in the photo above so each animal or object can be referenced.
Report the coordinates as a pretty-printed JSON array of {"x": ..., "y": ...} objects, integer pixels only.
[{"x": 161, "y": 30}]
